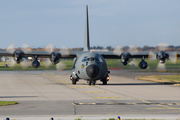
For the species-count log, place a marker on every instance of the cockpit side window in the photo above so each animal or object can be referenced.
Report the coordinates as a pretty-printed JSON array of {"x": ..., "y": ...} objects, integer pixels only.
[
  {"x": 84, "y": 59},
  {"x": 74, "y": 63},
  {"x": 100, "y": 59}
]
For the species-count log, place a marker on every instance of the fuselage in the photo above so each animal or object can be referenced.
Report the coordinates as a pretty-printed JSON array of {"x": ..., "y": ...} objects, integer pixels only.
[{"x": 90, "y": 66}]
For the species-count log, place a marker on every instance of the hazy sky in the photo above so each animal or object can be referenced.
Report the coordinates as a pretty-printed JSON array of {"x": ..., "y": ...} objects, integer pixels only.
[{"x": 112, "y": 22}]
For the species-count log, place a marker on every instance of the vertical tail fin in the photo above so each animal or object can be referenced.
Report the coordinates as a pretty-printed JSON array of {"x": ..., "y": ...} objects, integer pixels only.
[{"x": 86, "y": 32}]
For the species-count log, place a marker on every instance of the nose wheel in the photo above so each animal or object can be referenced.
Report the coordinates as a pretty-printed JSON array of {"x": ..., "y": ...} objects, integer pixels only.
[{"x": 92, "y": 82}]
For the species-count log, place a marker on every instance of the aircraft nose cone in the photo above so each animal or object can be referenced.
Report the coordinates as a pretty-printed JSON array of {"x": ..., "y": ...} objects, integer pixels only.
[{"x": 92, "y": 71}]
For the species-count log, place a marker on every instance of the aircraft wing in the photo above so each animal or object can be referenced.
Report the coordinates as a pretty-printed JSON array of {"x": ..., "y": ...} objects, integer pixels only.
[
  {"x": 112, "y": 55},
  {"x": 72, "y": 54},
  {"x": 40, "y": 54}
]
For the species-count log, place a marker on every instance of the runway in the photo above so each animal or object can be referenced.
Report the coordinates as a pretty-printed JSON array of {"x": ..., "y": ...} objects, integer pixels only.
[{"x": 45, "y": 94}]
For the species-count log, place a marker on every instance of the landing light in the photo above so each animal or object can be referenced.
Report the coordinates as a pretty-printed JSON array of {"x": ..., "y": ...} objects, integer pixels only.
[
  {"x": 108, "y": 78},
  {"x": 71, "y": 77}
]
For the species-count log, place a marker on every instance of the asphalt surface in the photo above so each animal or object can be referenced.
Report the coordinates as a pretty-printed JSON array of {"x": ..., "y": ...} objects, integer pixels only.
[{"x": 45, "y": 94}]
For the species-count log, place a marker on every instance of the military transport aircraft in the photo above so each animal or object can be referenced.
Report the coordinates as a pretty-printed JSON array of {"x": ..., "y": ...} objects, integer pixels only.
[{"x": 88, "y": 65}]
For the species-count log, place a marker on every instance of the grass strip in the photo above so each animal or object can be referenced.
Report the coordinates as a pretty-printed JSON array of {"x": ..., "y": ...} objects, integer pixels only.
[
  {"x": 168, "y": 79},
  {"x": 4, "y": 103},
  {"x": 111, "y": 64}
]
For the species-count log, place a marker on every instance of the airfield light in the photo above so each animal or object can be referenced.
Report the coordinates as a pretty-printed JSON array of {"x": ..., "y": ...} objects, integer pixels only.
[{"x": 118, "y": 118}]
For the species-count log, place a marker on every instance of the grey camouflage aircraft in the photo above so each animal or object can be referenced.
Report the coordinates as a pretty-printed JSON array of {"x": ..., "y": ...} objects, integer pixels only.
[{"x": 88, "y": 65}]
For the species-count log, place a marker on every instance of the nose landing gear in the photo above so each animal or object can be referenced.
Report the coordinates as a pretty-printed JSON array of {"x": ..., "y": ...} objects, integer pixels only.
[{"x": 92, "y": 82}]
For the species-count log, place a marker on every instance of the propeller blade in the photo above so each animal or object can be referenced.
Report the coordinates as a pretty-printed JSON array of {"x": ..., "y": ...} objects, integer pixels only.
[
  {"x": 10, "y": 48},
  {"x": 173, "y": 57},
  {"x": 151, "y": 56},
  {"x": 46, "y": 61},
  {"x": 10, "y": 61},
  {"x": 49, "y": 48},
  {"x": 117, "y": 50},
  {"x": 25, "y": 64},
  {"x": 162, "y": 46},
  {"x": 134, "y": 63},
  {"x": 26, "y": 48},
  {"x": 161, "y": 67},
  {"x": 133, "y": 50},
  {"x": 61, "y": 66},
  {"x": 64, "y": 52}
]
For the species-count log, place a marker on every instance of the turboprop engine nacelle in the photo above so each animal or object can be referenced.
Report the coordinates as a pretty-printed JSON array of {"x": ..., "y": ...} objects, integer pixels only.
[
  {"x": 55, "y": 56},
  {"x": 18, "y": 56},
  {"x": 125, "y": 58},
  {"x": 162, "y": 56},
  {"x": 143, "y": 64}
]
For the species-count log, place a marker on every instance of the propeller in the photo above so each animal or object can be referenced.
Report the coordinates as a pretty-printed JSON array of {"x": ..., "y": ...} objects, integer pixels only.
[
  {"x": 55, "y": 57},
  {"x": 161, "y": 56},
  {"x": 126, "y": 56},
  {"x": 17, "y": 57}
]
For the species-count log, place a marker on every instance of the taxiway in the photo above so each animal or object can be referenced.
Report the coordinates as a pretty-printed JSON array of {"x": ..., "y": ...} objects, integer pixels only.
[{"x": 44, "y": 94}]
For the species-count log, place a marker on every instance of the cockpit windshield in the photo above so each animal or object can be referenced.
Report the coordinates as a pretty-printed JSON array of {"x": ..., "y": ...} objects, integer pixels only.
[{"x": 85, "y": 59}]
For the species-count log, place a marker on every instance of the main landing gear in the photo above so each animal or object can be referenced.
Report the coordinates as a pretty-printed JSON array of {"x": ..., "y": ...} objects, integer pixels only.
[
  {"x": 73, "y": 80},
  {"x": 104, "y": 82},
  {"x": 105, "y": 79}
]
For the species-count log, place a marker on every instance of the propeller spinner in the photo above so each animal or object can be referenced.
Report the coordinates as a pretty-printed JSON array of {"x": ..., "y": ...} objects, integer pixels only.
[
  {"x": 55, "y": 57},
  {"x": 162, "y": 56},
  {"x": 17, "y": 57},
  {"x": 126, "y": 56}
]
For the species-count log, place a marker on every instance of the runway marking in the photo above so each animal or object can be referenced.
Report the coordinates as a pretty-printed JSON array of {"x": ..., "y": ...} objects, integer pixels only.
[
  {"x": 73, "y": 104},
  {"x": 165, "y": 108},
  {"x": 66, "y": 83},
  {"x": 93, "y": 92},
  {"x": 130, "y": 96},
  {"x": 108, "y": 97},
  {"x": 144, "y": 101},
  {"x": 133, "y": 104},
  {"x": 157, "y": 108},
  {"x": 79, "y": 87},
  {"x": 61, "y": 80},
  {"x": 53, "y": 78}
]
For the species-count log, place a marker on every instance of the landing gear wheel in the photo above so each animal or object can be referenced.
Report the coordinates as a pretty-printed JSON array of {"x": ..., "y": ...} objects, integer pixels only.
[
  {"x": 94, "y": 82},
  {"x": 104, "y": 82},
  {"x": 73, "y": 81},
  {"x": 90, "y": 81}
]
